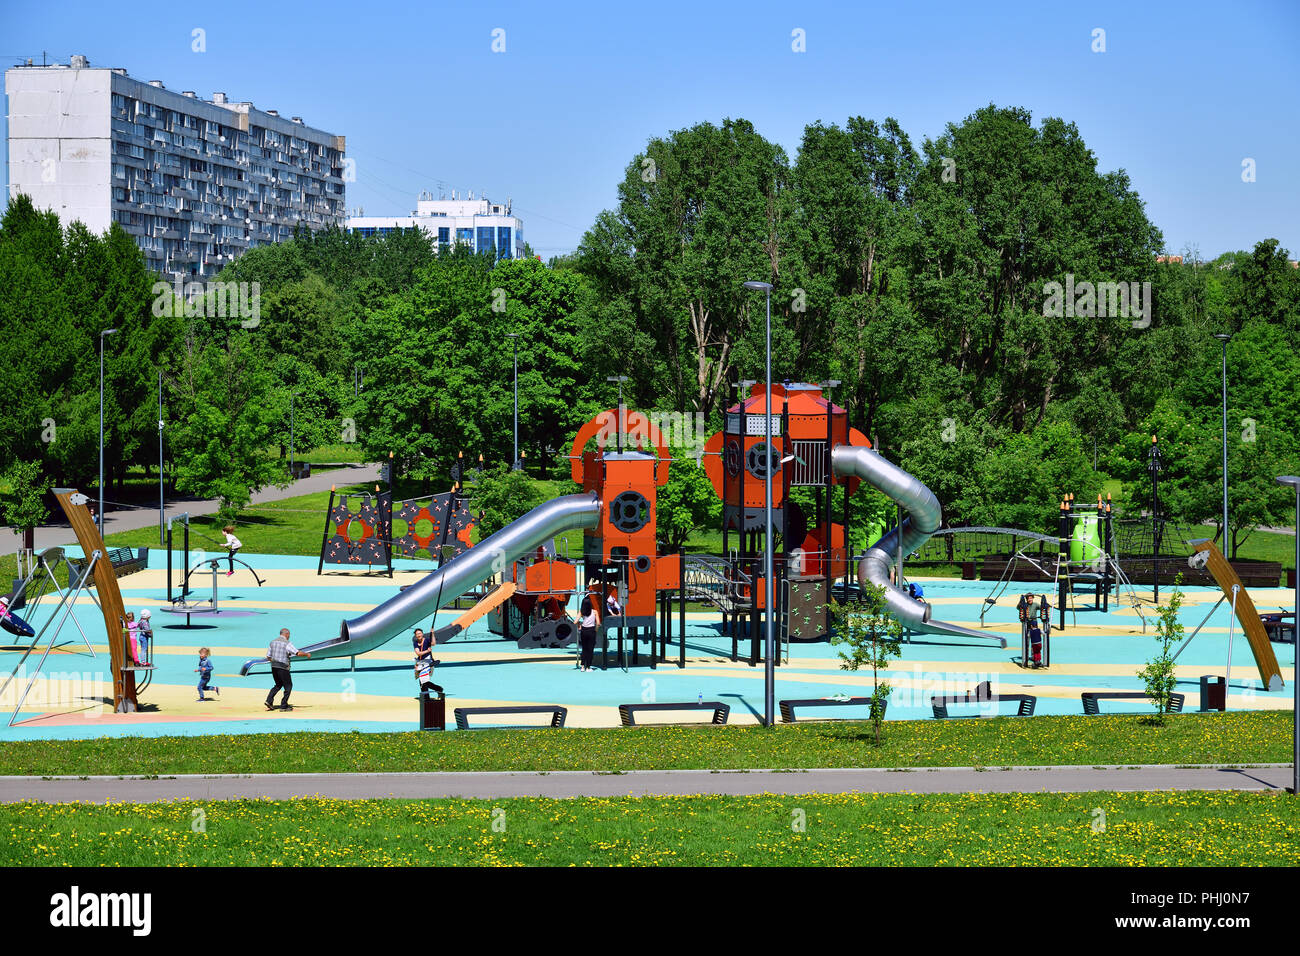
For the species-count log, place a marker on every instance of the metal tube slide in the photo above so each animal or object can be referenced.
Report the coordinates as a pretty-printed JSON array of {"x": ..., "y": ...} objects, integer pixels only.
[
  {"x": 924, "y": 517},
  {"x": 405, "y": 610}
]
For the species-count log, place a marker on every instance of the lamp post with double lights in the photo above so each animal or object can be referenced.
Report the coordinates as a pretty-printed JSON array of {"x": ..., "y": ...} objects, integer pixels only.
[
  {"x": 1154, "y": 468},
  {"x": 769, "y": 662},
  {"x": 1225, "y": 338},
  {"x": 292, "y": 395},
  {"x": 1293, "y": 482}
]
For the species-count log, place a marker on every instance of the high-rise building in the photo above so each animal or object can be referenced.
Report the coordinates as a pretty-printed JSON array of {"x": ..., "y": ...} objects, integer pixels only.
[
  {"x": 195, "y": 181},
  {"x": 479, "y": 223}
]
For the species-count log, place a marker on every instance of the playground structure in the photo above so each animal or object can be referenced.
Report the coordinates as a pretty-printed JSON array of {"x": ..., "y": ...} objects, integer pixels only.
[
  {"x": 180, "y": 602},
  {"x": 813, "y": 447},
  {"x": 438, "y": 525},
  {"x": 361, "y": 535},
  {"x": 1080, "y": 559},
  {"x": 97, "y": 573},
  {"x": 42, "y": 573},
  {"x": 1208, "y": 557},
  {"x": 616, "y": 514},
  {"x": 525, "y": 586}
]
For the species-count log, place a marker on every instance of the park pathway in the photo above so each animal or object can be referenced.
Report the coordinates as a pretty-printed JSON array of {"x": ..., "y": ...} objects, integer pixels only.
[
  {"x": 640, "y": 783},
  {"x": 134, "y": 517}
]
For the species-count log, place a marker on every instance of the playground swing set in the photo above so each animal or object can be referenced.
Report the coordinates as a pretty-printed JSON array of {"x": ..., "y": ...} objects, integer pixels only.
[{"x": 96, "y": 578}]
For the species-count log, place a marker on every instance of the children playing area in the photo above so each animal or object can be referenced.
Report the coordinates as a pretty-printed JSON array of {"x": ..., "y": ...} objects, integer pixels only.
[{"x": 72, "y": 696}]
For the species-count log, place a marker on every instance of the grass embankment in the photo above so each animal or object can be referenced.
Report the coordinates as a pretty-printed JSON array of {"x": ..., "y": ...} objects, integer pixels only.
[
  {"x": 1090, "y": 829},
  {"x": 1234, "y": 738}
]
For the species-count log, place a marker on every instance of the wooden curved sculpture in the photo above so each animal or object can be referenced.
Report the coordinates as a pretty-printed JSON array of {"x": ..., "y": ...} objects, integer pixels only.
[
  {"x": 74, "y": 505},
  {"x": 1251, "y": 626}
]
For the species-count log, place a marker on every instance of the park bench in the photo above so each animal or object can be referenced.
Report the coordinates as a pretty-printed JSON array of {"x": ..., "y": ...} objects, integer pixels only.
[
  {"x": 1090, "y": 699},
  {"x": 1277, "y": 628},
  {"x": 627, "y": 712},
  {"x": 983, "y": 693},
  {"x": 993, "y": 567},
  {"x": 125, "y": 561},
  {"x": 788, "y": 706},
  {"x": 463, "y": 714}
]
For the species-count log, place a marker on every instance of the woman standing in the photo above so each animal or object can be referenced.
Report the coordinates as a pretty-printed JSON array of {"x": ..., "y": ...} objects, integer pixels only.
[{"x": 590, "y": 612}]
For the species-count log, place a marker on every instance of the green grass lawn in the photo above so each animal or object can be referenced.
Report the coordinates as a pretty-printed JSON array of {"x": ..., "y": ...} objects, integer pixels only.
[
  {"x": 291, "y": 526},
  {"x": 1030, "y": 829},
  {"x": 326, "y": 454},
  {"x": 1234, "y": 738}
]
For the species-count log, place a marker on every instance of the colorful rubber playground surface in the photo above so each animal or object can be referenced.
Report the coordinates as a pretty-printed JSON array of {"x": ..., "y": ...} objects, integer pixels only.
[{"x": 1096, "y": 652}]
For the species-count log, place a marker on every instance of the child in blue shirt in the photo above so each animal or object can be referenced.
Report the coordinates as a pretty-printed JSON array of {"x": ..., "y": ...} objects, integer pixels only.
[{"x": 204, "y": 670}]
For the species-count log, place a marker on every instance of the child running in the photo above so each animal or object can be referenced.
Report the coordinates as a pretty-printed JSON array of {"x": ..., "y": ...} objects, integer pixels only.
[
  {"x": 204, "y": 670},
  {"x": 233, "y": 544}
]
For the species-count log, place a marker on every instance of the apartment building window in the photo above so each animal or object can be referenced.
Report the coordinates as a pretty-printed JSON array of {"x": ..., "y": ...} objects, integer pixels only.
[
  {"x": 444, "y": 235},
  {"x": 503, "y": 242},
  {"x": 484, "y": 239},
  {"x": 465, "y": 235}
]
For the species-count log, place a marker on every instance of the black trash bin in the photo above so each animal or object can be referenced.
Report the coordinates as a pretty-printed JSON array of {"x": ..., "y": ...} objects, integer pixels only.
[
  {"x": 1214, "y": 693},
  {"x": 433, "y": 712}
]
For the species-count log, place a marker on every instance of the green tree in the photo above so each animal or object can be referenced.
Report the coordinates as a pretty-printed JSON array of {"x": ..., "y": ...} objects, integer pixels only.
[
  {"x": 700, "y": 212},
  {"x": 874, "y": 638},
  {"x": 22, "y": 494},
  {"x": 686, "y": 503},
  {"x": 219, "y": 443},
  {"x": 501, "y": 496},
  {"x": 1159, "y": 674}
]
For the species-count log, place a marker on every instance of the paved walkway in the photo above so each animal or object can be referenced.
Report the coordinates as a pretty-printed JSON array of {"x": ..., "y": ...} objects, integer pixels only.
[
  {"x": 638, "y": 783},
  {"x": 135, "y": 517}
]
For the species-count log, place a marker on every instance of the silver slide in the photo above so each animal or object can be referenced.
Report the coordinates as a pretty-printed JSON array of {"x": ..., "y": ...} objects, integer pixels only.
[
  {"x": 406, "y": 610},
  {"x": 924, "y": 516}
]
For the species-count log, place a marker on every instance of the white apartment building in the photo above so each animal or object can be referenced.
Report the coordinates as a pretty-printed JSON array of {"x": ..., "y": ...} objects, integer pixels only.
[
  {"x": 479, "y": 223},
  {"x": 195, "y": 181}
]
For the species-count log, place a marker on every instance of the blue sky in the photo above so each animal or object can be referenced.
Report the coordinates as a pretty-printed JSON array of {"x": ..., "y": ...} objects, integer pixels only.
[{"x": 1182, "y": 94}]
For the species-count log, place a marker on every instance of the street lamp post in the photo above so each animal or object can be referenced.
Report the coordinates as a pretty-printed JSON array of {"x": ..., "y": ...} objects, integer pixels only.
[
  {"x": 1294, "y": 482},
  {"x": 1225, "y": 338},
  {"x": 161, "y": 505},
  {"x": 769, "y": 663},
  {"x": 514, "y": 337},
  {"x": 620, "y": 379},
  {"x": 1155, "y": 519},
  {"x": 292, "y": 395},
  {"x": 100, "y": 516}
]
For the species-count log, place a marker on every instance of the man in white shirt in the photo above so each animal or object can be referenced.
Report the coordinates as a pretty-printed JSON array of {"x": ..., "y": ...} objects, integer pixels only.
[{"x": 278, "y": 654}]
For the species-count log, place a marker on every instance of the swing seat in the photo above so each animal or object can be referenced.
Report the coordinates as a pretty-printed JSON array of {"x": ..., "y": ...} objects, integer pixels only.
[{"x": 15, "y": 625}]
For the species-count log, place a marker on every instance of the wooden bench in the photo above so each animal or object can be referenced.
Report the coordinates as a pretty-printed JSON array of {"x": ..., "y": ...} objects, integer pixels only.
[
  {"x": 788, "y": 706},
  {"x": 994, "y": 568},
  {"x": 1090, "y": 699},
  {"x": 627, "y": 712},
  {"x": 982, "y": 694},
  {"x": 463, "y": 714}
]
